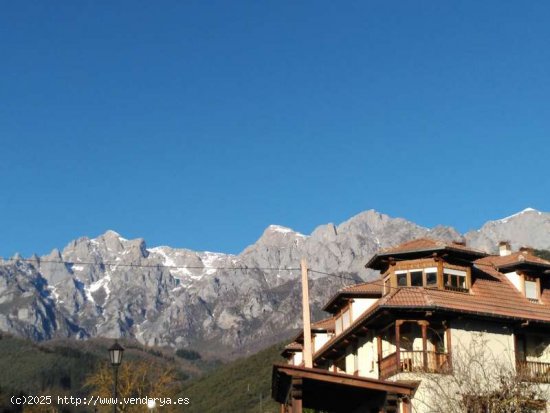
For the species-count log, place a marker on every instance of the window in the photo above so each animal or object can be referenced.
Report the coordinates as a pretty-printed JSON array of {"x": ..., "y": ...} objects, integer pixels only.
[
  {"x": 416, "y": 279},
  {"x": 431, "y": 277},
  {"x": 401, "y": 278},
  {"x": 531, "y": 288},
  {"x": 454, "y": 279}
]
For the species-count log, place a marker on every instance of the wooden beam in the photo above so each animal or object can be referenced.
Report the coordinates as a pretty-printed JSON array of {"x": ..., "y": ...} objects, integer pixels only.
[
  {"x": 297, "y": 394},
  {"x": 379, "y": 349},
  {"x": 424, "y": 327},
  {"x": 406, "y": 405},
  {"x": 398, "y": 344},
  {"x": 372, "y": 384},
  {"x": 440, "y": 281},
  {"x": 449, "y": 346},
  {"x": 308, "y": 352}
]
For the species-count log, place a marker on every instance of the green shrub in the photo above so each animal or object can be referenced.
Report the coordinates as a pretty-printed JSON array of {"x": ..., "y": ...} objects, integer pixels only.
[{"x": 188, "y": 354}]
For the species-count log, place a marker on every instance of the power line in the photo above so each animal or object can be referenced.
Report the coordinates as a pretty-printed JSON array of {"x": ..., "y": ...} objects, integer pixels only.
[
  {"x": 117, "y": 264},
  {"x": 342, "y": 277}
]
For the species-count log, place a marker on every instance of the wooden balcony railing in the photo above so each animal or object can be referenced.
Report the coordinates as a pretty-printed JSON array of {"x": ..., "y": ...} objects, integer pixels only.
[
  {"x": 534, "y": 371},
  {"x": 415, "y": 361}
]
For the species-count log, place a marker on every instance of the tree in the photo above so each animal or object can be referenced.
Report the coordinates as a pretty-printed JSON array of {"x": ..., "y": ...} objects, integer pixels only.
[
  {"x": 136, "y": 379},
  {"x": 481, "y": 382}
]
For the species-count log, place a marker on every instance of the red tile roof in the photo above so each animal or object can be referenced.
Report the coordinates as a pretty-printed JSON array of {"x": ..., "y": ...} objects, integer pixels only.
[
  {"x": 422, "y": 244},
  {"x": 372, "y": 289},
  {"x": 294, "y": 346},
  {"x": 326, "y": 324},
  {"x": 514, "y": 259}
]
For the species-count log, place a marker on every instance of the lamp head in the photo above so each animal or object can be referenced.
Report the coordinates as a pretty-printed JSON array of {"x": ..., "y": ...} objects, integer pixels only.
[{"x": 115, "y": 354}]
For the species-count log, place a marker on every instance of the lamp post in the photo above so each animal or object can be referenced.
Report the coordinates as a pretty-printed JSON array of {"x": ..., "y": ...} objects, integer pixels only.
[{"x": 115, "y": 354}]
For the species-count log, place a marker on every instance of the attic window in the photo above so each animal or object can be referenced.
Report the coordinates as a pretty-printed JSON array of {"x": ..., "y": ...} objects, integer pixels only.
[
  {"x": 454, "y": 279},
  {"x": 426, "y": 277},
  {"x": 401, "y": 278},
  {"x": 431, "y": 277},
  {"x": 416, "y": 278},
  {"x": 531, "y": 288}
]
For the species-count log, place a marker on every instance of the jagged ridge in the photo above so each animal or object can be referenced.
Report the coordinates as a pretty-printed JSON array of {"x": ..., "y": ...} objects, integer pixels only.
[{"x": 232, "y": 309}]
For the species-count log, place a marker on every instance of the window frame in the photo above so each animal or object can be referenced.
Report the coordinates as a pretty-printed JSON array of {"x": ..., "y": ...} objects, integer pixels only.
[{"x": 339, "y": 317}]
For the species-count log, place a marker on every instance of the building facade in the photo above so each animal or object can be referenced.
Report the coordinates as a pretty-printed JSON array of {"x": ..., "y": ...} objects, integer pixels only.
[{"x": 444, "y": 328}]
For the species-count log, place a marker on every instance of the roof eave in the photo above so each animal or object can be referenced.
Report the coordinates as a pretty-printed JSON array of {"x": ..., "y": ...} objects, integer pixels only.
[{"x": 372, "y": 262}]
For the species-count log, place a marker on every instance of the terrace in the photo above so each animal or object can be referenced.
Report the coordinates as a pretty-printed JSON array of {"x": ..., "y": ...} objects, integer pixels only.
[{"x": 409, "y": 346}]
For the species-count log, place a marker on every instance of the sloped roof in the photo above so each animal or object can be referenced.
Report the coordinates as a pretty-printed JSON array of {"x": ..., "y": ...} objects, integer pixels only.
[
  {"x": 374, "y": 287},
  {"x": 496, "y": 298},
  {"x": 291, "y": 348},
  {"x": 325, "y": 324},
  {"x": 370, "y": 289},
  {"x": 513, "y": 260},
  {"x": 423, "y": 245}
]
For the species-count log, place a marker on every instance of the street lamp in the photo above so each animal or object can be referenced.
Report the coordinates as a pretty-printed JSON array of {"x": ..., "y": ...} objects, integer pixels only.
[{"x": 115, "y": 354}]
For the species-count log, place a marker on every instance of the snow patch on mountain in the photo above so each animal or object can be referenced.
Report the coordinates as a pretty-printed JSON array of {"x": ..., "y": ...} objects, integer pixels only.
[
  {"x": 179, "y": 297},
  {"x": 517, "y": 214}
]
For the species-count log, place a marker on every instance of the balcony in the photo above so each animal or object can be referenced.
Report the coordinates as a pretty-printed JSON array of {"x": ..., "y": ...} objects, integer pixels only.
[
  {"x": 415, "y": 361},
  {"x": 534, "y": 371}
]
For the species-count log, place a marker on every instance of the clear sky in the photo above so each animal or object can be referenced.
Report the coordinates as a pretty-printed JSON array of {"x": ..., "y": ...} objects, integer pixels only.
[{"x": 198, "y": 123}]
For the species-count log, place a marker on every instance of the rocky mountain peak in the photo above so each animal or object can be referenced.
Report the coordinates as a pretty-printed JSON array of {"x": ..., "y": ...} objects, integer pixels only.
[
  {"x": 111, "y": 286},
  {"x": 528, "y": 227},
  {"x": 519, "y": 215}
]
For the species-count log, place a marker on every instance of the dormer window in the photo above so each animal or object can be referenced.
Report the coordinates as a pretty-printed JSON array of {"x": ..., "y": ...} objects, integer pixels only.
[
  {"x": 416, "y": 278},
  {"x": 531, "y": 288},
  {"x": 401, "y": 278},
  {"x": 434, "y": 274},
  {"x": 454, "y": 279},
  {"x": 431, "y": 277}
]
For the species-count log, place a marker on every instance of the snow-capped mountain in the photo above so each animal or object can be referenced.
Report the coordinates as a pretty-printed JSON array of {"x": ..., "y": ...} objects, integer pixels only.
[{"x": 110, "y": 286}]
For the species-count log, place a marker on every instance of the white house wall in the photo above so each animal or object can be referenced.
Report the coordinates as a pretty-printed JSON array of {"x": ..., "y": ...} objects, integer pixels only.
[
  {"x": 350, "y": 360},
  {"x": 297, "y": 358},
  {"x": 360, "y": 305},
  {"x": 368, "y": 357},
  {"x": 515, "y": 279},
  {"x": 319, "y": 340},
  {"x": 496, "y": 340}
]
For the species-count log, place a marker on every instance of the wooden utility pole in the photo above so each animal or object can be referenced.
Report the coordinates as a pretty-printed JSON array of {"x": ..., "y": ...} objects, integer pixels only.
[{"x": 308, "y": 357}]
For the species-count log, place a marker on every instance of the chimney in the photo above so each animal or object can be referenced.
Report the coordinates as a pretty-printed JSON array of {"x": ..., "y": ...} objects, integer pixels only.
[
  {"x": 527, "y": 250},
  {"x": 504, "y": 248}
]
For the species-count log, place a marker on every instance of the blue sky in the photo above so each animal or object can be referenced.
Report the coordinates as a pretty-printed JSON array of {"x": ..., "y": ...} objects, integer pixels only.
[{"x": 197, "y": 124}]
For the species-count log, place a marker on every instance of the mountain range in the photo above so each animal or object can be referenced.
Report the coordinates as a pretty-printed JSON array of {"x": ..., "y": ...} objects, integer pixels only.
[{"x": 222, "y": 304}]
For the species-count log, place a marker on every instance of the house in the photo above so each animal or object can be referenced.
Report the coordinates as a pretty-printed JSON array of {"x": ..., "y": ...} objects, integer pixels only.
[{"x": 388, "y": 343}]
